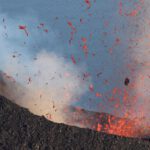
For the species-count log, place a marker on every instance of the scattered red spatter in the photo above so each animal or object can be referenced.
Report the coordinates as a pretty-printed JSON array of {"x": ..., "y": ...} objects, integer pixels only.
[
  {"x": 110, "y": 50},
  {"x": 117, "y": 42},
  {"x": 120, "y": 8},
  {"x": 41, "y": 26},
  {"x": 117, "y": 105},
  {"x": 22, "y": 27},
  {"x": 125, "y": 96},
  {"x": 84, "y": 40},
  {"x": 46, "y": 30},
  {"x": 88, "y": 3},
  {"x": 72, "y": 32},
  {"x": 115, "y": 91},
  {"x": 111, "y": 99},
  {"x": 133, "y": 13},
  {"x": 99, "y": 127},
  {"x": 91, "y": 87},
  {"x": 85, "y": 49},
  {"x": 84, "y": 46},
  {"x": 73, "y": 59},
  {"x": 71, "y": 26},
  {"x": 98, "y": 94}
]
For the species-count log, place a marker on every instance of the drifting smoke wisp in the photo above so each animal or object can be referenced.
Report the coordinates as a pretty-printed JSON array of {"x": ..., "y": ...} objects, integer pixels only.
[
  {"x": 44, "y": 83},
  {"x": 141, "y": 63}
]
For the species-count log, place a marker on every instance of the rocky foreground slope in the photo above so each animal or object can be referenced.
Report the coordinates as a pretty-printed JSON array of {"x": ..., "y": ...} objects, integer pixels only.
[{"x": 21, "y": 130}]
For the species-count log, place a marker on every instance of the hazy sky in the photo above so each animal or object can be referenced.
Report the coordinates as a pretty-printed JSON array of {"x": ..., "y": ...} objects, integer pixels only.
[{"x": 67, "y": 28}]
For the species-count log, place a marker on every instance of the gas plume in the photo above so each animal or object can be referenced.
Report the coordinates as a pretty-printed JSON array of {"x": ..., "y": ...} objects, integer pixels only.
[{"x": 43, "y": 82}]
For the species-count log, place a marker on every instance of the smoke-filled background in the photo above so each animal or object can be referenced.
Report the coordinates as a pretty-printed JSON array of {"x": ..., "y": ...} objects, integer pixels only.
[
  {"x": 42, "y": 81},
  {"x": 88, "y": 53}
]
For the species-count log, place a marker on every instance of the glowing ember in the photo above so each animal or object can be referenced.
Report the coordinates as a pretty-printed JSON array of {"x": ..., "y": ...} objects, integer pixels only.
[{"x": 21, "y": 27}]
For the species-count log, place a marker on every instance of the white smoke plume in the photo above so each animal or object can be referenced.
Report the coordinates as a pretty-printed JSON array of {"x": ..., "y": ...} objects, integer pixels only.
[
  {"x": 44, "y": 83},
  {"x": 140, "y": 57}
]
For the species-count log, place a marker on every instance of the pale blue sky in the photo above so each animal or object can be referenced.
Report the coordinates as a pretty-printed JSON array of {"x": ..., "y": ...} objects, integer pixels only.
[{"x": 103, "y": 17}]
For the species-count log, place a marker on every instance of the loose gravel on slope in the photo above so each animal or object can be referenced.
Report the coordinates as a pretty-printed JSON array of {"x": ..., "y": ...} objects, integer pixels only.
[{"x": 21, "y": 130}]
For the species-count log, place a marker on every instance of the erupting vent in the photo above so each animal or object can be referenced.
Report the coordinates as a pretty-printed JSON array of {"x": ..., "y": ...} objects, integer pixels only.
[{"x": 84, "y": 63}]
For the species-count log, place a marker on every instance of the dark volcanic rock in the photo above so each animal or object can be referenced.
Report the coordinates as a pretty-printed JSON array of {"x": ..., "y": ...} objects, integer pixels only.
[{"x": 21, "y": 130}]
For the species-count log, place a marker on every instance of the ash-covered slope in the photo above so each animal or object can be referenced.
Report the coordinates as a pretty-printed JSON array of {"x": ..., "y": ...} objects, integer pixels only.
[{"x": 21, "y": 130}]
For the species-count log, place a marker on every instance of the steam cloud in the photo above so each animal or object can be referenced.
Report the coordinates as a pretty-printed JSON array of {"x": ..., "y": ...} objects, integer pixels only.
[{"x": 44, "y": 83}]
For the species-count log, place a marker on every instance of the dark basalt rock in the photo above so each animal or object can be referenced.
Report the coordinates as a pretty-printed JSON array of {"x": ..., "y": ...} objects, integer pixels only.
[{"x": 21, "y": 130}]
